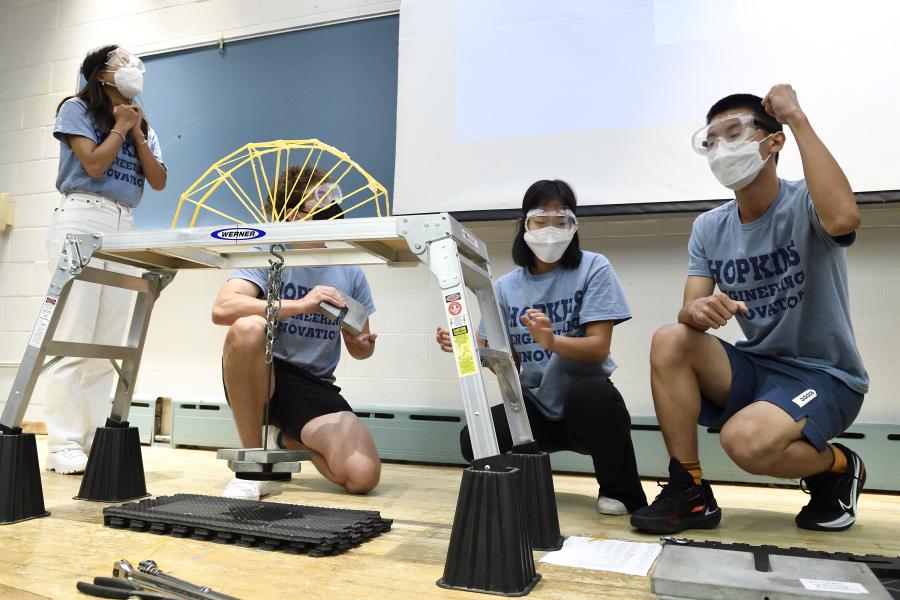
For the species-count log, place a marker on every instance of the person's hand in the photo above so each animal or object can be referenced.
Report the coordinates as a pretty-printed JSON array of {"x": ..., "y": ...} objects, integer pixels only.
[
  {"x": 539, "y": 326},
  {"x": 715, "y": 311},
  {"x": 781, "y": 102},
  {"x": 125, "y": 117},
  {"x": 359, "y": 345},
  {"x": 443, "y": 339},
  {"x": 310, "y": 302},
  {"x": 136, "y": 132}
]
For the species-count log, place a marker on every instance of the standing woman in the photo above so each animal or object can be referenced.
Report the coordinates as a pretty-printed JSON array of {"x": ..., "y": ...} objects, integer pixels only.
[
  {"x": 560, "y": 307},
  {"x": 107, "y": 152}
]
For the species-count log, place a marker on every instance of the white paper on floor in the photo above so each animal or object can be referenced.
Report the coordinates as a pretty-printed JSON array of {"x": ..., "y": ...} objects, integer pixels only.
[{"x": 631, "y": 558}]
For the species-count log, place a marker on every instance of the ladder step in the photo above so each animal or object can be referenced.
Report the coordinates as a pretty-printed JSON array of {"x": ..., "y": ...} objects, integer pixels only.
[
  {"x": 77, "y": 349},
  {"x": 477, "y": 278},
  {"x": 115, "y": 279},
  {"x": 491, "y": 357}
]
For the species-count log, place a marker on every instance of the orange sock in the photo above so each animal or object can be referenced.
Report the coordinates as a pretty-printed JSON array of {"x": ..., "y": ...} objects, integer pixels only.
[
  {"x": 694, "y": 469},
  {"x": 839, "y": 463}
]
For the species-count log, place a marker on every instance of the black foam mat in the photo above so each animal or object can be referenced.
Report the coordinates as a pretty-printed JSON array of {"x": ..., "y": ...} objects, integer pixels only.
[
  {"x": 314, "y": 530},
  {"x": 885, "y": 568}
]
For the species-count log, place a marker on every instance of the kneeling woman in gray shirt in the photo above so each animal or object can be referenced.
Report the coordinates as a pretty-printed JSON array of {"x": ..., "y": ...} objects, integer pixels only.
[{"x": 560, "y": 307}]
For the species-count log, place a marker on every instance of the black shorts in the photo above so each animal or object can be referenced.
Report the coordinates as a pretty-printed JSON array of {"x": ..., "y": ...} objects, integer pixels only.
[
  {"x": 826, "y": 402},
  {"x": 299, "y": 397}
]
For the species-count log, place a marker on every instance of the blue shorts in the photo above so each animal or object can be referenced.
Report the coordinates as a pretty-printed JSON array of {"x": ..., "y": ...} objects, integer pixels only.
[{"x": 827, "y": 403}]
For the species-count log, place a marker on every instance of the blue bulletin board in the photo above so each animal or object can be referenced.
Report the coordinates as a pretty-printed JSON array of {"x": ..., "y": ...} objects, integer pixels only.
[{"x": 336, "y": 83}]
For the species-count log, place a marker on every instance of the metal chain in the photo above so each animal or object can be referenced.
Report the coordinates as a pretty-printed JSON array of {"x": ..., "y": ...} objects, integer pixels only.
[{"x": 273, "y": 297}]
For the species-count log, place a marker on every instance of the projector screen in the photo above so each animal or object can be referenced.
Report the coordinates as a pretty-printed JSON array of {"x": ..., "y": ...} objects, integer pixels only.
[{"x": 605, "y": 94}]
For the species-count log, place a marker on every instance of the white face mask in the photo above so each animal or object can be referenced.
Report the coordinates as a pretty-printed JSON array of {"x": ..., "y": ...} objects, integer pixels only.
[
  {"x": 550, "y": 243},
  {"x": 736, "y": 168},
  {"x": 129, "y": 81}
]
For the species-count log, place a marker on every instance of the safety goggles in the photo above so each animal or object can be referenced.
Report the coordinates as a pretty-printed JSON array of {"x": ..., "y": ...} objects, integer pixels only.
[
  {"x": 729, "y": 132},
  {"x": 120, "y": 57},
  {"x": 323, "y": 195},
  {"x": 539, "y": 219}
]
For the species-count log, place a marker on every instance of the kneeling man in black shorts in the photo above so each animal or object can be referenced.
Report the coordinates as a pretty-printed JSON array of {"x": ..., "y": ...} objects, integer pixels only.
[{"x": 306, "y": 406}]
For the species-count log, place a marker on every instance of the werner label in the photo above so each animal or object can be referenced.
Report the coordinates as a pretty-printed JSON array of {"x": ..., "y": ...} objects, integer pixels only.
[{"x": 237, "y": 233}]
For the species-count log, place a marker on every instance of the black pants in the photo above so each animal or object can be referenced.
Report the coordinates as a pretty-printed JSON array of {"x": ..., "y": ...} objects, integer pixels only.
[{"x": 595, "y": 422}]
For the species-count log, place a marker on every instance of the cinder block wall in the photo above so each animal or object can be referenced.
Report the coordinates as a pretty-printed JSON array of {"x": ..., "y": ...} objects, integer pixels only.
[{"x": 40, "y": 49}]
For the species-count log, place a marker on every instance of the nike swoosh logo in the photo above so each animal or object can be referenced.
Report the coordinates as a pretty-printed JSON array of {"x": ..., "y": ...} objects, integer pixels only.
[
  {"x": 710, "y": 512},
  {"x": 846, "y": 507}
]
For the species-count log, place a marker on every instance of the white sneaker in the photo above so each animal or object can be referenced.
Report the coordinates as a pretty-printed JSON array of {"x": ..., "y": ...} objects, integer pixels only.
[
  {"x": 67, "y": 461},
  {"x": 245, "y": 489},
  {"x": 610, "y": 506}
]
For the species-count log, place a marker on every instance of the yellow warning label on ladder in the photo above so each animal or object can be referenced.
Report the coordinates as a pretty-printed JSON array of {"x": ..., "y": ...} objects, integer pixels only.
[{"x": 462, "y": 347}]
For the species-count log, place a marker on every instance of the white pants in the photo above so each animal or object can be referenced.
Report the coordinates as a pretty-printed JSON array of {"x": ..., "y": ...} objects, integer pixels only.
[{"x": 76, "y": 391}]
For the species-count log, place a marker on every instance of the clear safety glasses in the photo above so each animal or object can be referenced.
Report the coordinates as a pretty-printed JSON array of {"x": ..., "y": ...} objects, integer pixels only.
[
  {"x": 324, "y": 195},
  {"x": 120, "y": 57},
  {"x": 539, "y": 219},
  {"x": 730, "y": 132}
]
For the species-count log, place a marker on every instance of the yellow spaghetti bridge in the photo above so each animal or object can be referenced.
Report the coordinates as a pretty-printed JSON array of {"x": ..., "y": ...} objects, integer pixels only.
[{"x": 248, "y": 185}]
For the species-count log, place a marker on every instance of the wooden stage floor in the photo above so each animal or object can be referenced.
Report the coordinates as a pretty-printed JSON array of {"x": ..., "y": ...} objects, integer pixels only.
[{"x": 43, "y": 558}]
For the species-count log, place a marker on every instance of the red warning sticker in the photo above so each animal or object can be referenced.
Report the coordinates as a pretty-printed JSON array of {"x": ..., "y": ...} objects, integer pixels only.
[
  {"x": 452, "y": 297},
  {"x": 454, "y": 308}
]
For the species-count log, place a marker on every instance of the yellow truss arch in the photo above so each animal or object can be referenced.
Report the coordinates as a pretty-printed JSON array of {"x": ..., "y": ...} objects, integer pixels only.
[{"x": 222, "y": 191}]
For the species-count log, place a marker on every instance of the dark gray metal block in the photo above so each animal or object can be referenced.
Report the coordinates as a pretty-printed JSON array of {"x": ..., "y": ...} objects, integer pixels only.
[
  {"x": 352, "y": 317},
  {"x": 254, "y": 467},
  {"x": 706, "y": 573}
]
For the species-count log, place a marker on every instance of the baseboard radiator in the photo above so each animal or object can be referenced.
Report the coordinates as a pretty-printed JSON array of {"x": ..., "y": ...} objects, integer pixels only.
[{"x": 431, "y": 435}]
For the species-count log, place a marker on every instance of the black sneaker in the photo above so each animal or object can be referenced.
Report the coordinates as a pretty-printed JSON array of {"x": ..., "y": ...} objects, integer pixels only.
[
  {"x": 833, "y": 496},
  {"x": 680, "y": 505}
]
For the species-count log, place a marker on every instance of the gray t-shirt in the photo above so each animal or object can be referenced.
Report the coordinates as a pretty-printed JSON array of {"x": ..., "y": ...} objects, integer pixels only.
[
  {"x": 122, "y": 181},
  {"x": 793, "y": 277},
  {"x": 571, "y": 298},
  {"x": 311, "y": 341}
]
